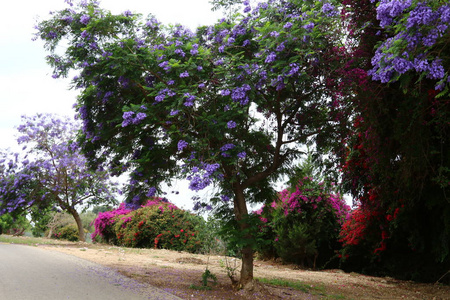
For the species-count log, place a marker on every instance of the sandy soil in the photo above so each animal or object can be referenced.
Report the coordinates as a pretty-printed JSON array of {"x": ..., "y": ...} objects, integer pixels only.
[{"x": 176, "y": 272}]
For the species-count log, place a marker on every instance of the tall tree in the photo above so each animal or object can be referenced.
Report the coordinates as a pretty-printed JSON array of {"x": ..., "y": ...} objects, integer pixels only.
[
  {"x": 229, "y": 105},
  {"x": 397, "y": 159},
  {"x": 53, "y": 172}
]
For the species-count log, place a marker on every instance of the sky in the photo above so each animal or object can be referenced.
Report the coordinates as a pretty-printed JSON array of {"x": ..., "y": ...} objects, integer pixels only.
[{"x": 26, "y": 85}]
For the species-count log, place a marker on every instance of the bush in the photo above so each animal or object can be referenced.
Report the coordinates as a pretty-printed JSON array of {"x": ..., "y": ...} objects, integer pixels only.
[
  {"x": 158, "y": 224},
  {"x": 104, "y": 225},
  {"x": 68, "y": 232},
  {"x": 304, "y": 224}
]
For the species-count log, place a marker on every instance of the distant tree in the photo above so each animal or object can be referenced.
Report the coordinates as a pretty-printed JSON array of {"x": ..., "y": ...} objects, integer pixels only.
[
  {"x": 51, "y": 172},
  {"x": 101, "y": 208},
  {"x": 14, "y": 225},
  {"x": 229, "y": 105}
]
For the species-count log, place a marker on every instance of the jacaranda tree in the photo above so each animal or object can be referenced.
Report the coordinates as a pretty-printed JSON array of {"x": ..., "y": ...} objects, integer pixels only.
[
  {"x": 228, "y": 105},
  {"x": 51, "y": 172}
]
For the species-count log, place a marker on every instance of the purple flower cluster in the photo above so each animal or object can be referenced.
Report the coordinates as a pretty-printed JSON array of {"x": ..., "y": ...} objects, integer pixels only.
[
  {"x": 231, "y": 124},
  {"x": 416, "y": 27},
  {"x": 203, "y": 175},
  {"x": 182, "y": 144},
  {"x": 129, "y": 117}
]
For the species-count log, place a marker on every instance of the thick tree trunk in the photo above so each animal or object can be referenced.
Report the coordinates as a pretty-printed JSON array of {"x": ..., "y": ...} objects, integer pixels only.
[
  {"x": 77, "y": 218},
  {"x": 241, "y": 212}
]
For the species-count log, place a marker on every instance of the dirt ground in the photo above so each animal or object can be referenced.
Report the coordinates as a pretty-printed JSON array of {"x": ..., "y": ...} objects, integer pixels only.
[{"x": 180, "y": 273}]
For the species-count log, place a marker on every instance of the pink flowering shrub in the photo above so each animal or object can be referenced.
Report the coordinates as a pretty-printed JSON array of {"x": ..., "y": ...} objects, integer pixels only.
[
  {"x": 157, "y": 224},
  {"x": 104, "y": 224},
  {"x": 304, "y": 223}
]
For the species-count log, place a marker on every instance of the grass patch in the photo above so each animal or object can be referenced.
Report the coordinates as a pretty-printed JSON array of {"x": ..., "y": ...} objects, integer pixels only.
[
  {"x": 9, "y": 239},
  {"x": 306, "y": 288},
  {"x": 286, "y": 283}
]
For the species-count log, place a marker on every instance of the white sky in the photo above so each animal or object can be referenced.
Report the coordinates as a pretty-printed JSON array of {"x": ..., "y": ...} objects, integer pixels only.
[{"x": 26, "y": 85}]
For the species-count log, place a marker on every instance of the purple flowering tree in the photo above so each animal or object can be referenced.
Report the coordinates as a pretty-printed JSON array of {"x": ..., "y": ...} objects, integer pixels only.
[
  {"x": 415, "y": 41},
  {"x": 51, "y": 171},
  {"x": 229, "y": 105}
]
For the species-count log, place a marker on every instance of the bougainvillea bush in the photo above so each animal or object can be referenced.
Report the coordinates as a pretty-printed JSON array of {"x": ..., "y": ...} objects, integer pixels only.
[
  {"x": 157, "y": 224},
  {"x": 104, "y": 224},
  {"x": 304, "y": 223}
]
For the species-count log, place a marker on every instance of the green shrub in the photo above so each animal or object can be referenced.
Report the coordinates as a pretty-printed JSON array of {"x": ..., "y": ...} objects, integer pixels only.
[
  {"x": 14, "y": 225},
  {"x": 68, "y": 232}
]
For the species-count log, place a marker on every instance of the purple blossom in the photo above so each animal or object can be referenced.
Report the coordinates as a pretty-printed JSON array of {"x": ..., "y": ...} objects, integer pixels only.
[
  {"x": 231, "y": 124},
  {"x": 389, "y": 9},
  {"x": 224, "y": 198},
  {"x": 436, "y": 70},
  {"x": 180, "y": 52},
  {"x": 189, "y": 99},
  {"x": 401, "y": 65},
  {"x": 127, "y": 13},
  {"x": 294, "y": 69},
  {"x": 242, "y": 154},
  {"x": 225, "y": 92},
  {"x": 184, "y": 74},
  {"x": 165, "y": 65},
  {"x": 274, "y": 34},
  {"x": 181, "y": 145},
  {"x": 127, "y": 118},
  {"x": 329, "y": 10},
  {"x": 68, "y": 19},
  {"x": 280, "y": 47},
  {"x": 85, "y": 19},
  {"x": 227, "y": 147},
  {"x": 160, "y": 97},
  {"x": 271, "y": 57},
  {"x": 198, "y": 183},
  {"x": 151, "y": 192},
  {"x": 309, "y": 27},
  {"x": 139, "y": 117},
  {"x": 288, "y": 25}
]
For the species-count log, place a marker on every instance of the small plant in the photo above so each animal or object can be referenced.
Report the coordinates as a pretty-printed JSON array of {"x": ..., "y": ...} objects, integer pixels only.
[
  {"x": 205, "y": 277},
  {"x": 208, "y": 275}
]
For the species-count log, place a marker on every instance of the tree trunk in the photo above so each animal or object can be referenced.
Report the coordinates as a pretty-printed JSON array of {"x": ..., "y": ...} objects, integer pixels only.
[
  {"x": 241, "y": 212},
  {"x": 77, "y": 218}
]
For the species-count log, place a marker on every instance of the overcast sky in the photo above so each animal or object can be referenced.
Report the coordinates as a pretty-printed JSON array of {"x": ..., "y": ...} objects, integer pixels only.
[{"x": 26, "y": 85}]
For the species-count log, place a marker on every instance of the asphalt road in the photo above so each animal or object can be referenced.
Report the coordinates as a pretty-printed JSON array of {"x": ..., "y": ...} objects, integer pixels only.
[{"x": 31, "y": 273}]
